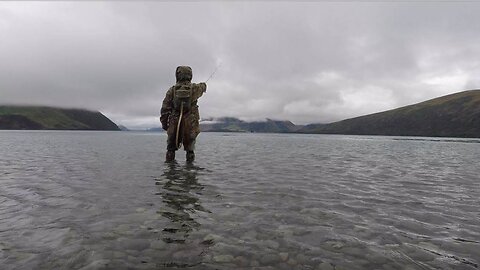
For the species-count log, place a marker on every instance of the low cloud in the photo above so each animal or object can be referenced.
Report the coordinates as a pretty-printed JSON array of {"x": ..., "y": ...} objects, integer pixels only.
[{"x": 306, "y": 62}]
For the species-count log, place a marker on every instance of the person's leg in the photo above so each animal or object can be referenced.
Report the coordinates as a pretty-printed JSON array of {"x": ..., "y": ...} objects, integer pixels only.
[
  {"x": 190, "y": 148},
  {"x": 189, "y": 135},
  {"x": 170, "y": 156},
  {"x": 171, "y": 140}
]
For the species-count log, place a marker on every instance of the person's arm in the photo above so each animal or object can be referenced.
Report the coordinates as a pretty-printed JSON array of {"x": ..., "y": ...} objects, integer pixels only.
[
  {"x": 166, "y": 110},
  {"x": 198, "y": 90}
]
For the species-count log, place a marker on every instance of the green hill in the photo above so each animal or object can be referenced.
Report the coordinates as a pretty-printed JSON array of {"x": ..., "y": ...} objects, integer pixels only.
[
  {"x": 455, "y": 115},
  {"x": 230, "y": 124},
  {"x": 33, "y": 117}
]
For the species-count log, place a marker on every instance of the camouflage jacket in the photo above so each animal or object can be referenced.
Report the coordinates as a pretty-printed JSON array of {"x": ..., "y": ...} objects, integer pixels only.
[{"x": 168, "y": 115}]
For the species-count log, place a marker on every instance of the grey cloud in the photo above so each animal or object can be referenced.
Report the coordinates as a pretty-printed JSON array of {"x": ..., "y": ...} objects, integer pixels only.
[{"x": 307, "y": 62}]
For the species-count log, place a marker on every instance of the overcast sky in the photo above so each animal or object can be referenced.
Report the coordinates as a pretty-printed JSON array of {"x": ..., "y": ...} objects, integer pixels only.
[{"x": 306, "y": 62}]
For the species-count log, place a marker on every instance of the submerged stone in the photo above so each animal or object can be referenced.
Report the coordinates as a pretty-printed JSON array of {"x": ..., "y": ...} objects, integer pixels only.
[
  {"x": 212, "y": 237},
  {"x": 283, "y": 256},
  {"x": 356, "y": 252},
  {"x": 301, "y": 259},
  {"x": 250, "y": 235},
  {"x": 109, "y": 236},
  {"x": 96, "y": 265},
  {"x": 292, "y": 261},
  {"x": 122, "y": 228},
  {"x": 271, "y": 244},
  {"x": 325, "y": 266},
  {"x": 118, "y": 254},
  {"x": 241, "y": 261},
  {"x": 158, "y": 245},
  {"x": 269, "y": 259},
  {"x": 135, "y": 244},
  {"x": 223, "y": 258},
  {"x": 283, "y": 266}
]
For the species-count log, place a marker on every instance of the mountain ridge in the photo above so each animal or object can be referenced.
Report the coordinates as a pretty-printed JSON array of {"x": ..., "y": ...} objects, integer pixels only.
[
  {"x": 453, "y": 115},
  {"x": 52, "y": 118},
  {"x": 231, "y": 124}
]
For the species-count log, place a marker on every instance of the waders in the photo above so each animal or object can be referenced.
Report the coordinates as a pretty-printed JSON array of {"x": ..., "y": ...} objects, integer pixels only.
[{"x": 190, "y": 154}]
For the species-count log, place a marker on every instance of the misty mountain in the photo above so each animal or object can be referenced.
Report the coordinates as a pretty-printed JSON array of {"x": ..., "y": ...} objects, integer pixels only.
[
  {"x": 455, "y": 115},
  {"x": 123, "y": 128},
  {"x": 230, "y": 124},
  {"x": 35, "y": 117}
]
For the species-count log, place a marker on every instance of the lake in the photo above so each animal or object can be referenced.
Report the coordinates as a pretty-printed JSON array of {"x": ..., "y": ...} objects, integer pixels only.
[{"x": 106, "y": 200}]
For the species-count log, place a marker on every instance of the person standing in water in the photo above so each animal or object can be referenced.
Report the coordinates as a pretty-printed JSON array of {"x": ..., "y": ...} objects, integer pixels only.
[{"x": 179, "y": 114}]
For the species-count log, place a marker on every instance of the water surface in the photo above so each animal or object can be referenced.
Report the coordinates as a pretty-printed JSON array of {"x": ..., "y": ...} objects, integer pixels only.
[{"x": 107, "y": 200}]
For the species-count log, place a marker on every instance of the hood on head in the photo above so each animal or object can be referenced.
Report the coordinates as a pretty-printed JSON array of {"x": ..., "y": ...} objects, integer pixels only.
[{"x": 183, "y": 74}]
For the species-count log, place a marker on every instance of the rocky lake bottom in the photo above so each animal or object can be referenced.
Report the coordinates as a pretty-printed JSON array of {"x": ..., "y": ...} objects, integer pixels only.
[{"x": 107, "y": 200}]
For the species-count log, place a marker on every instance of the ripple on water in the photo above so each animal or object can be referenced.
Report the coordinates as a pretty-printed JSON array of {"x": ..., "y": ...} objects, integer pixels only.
[{"x": 93, "y": 200}]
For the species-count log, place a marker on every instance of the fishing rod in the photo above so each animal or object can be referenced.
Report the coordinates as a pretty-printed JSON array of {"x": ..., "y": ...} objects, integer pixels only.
[{"x": 215, "y": 71}]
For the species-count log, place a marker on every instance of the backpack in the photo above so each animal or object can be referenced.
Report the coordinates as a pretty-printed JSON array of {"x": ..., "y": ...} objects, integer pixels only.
[{"x": 182, "y": 94}]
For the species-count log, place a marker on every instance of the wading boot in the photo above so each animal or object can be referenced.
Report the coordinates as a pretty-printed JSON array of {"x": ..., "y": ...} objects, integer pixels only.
[
  {"x": 170, "y": 156},
  {"x": 190, "y": 156}
]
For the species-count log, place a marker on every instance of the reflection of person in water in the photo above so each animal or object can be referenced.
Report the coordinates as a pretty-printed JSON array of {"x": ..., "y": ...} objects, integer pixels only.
[{"x": 179, "y": 195}]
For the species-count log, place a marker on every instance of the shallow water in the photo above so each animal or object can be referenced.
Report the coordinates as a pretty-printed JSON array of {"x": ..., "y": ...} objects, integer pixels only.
[{"x": 106, "y": 200}]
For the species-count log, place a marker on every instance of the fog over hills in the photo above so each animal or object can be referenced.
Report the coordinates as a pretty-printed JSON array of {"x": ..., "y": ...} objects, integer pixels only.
[
  {"x": 455, "y": 115},
  {"x": 38, "y": 117},
  {"x": 231, "y": 124}
]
